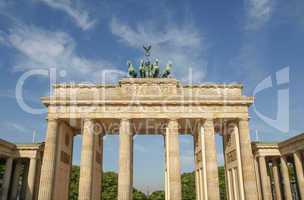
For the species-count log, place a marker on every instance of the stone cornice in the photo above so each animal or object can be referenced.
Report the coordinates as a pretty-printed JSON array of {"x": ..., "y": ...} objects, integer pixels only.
[
  {"x": 293, "y": 140},
  {"x": 148, "y": 81},
  {"x": 224, "y": 102},
  {"x": 7, "y": 144},
  {"x": 215, "y": 85},
  {"x": 261, "y": 145},
  {"x": 34, "y": 146}
]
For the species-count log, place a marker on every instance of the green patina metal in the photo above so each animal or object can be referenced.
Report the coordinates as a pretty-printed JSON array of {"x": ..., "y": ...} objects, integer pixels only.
[{"x": 147, "y": 69}]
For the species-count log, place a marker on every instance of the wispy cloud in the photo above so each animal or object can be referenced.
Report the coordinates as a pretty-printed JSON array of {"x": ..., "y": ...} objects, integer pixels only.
[
  {"x": 248, "y": 63},
  {"x": 15, "y": 127},
  {"x": 181, "y": 44},
  {"x": 80, "y": 16},
  {"x": 38, "y": 48},
  {"x": 258, "y": 13}
]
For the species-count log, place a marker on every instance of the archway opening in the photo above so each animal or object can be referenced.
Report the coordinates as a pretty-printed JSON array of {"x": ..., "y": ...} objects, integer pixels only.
[
  {"x": 221, "y": 166},
  {"x": 148, "y": 174},
  {"x": 187, "y": 166},
  {"x": 75, "y": 171}
]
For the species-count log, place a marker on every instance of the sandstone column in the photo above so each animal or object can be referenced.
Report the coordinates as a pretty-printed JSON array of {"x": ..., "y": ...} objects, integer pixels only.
[
  {"x": 238, "y": 173},
  {"x": 276, "y": 177},
  {"x": 249, "y": 178},
  {"x": 211, "y": 161},
  {"x": 98, "y": 167},
  {"x": 257, "y": 174},
  {"x": 265, "y": 180},
  {"x": 31, "y": 179},
  {"x": 86, "y": 186},
  {"x": 7, "y": 178},
  {"x": 235, "y": 185},
  {"x": 125, "y": 176},
  {"x": 174, "y": 189},
  {"x": 230, "y": 185},
  {"x": 24, "y": 180},
  {"x": 49, "y": 161},
  {"x": 197, "y": 185},
  {"x": 299, "y": 171},
  {"x": 16, "y": 178},
  {"x": 197, "y": 160},
  {"x": 286, "y": 181}
]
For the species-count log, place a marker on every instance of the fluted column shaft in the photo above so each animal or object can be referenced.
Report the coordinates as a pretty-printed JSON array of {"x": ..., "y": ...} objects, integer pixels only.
[
  {"x": 7, "y": 178},
  {"x": 15, "y": 181},
  {"x": 286, "y": 180},
  {"x": 49, "y": 161},
  {"x": 197, "y": 166},
  {"x": 249, "y": 178},
  {"x": 174, "y": 190},
  {"x": 87, "y": 162},
  {"x": 257, "y": 174},
  {"x": 125, "y": 175},
  {"x": 211, "y": 161},
  {"x": 31, "y": 179},
  {"x": 276, "y": 177},
  {"x": 235, "y": 185},
  {"x": 299, "y": 171},
  {"x": 265, "y": 181},
  {"x": 98, "y": 170}
]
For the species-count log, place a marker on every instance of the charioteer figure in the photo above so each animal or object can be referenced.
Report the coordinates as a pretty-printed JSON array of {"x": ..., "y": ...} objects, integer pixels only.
[
  {"x": 131, "y": 70},
  {"x": 142, "y": 69},
  {"x": 156, "y": 69},
  {"x": 167, "y": 70}
]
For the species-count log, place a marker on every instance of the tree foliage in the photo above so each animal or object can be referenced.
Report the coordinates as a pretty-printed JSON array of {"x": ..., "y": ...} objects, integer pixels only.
[
  {"x": 109, "y": 187},
  {"x": 188, "y": 186},
  {"x": 138, "y": 195},
  {"x": 222, "y": 183},
  {"x": 74, "y": 183},
  {"x": 110, "y": 182},
  {"x": 157, "y": 195}
]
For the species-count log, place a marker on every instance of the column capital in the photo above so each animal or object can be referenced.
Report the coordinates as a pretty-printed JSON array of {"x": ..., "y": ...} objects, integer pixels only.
[
  {"x": 125, "y": 119},
  {"x": 87, "y": 119},
  {"x": 243, "y": 119},
  {"x": 208, "y": 122},
  {"x": 209, "y": 119},
  {"x": 52, "y": 119},
  {"x": 173, "y": 124},
  {"x": 125, "y": 126}
]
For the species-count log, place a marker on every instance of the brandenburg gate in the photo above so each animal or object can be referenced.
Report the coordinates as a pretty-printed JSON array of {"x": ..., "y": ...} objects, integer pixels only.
[{"x": 148, "y": 106}]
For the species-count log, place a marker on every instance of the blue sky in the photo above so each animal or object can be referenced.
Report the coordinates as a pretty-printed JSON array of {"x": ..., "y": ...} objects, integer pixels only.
[{"x": 245, "y": 41}]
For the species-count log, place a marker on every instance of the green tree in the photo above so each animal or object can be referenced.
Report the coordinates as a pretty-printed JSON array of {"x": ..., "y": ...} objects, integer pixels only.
[
  {"x": 109, "y": 186},
  {"x": 188, "y": 186},
  {"x": 222, "y": 183},
  {"x": 110, "y": 182},
  {"x": 74, "y": 183},
  {"x": 157, "y": 195},
  {"x": 138, "y": 195}
]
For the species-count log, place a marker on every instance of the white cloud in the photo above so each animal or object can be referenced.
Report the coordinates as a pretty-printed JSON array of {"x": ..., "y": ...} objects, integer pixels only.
[
  {"x": 14, "y": 127},
  {"x": 258, "y": 13},
  {"x": 39, "y": 48},
  {"x": 181, "y": 44},
  {"x": 75, "y": 11}
]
